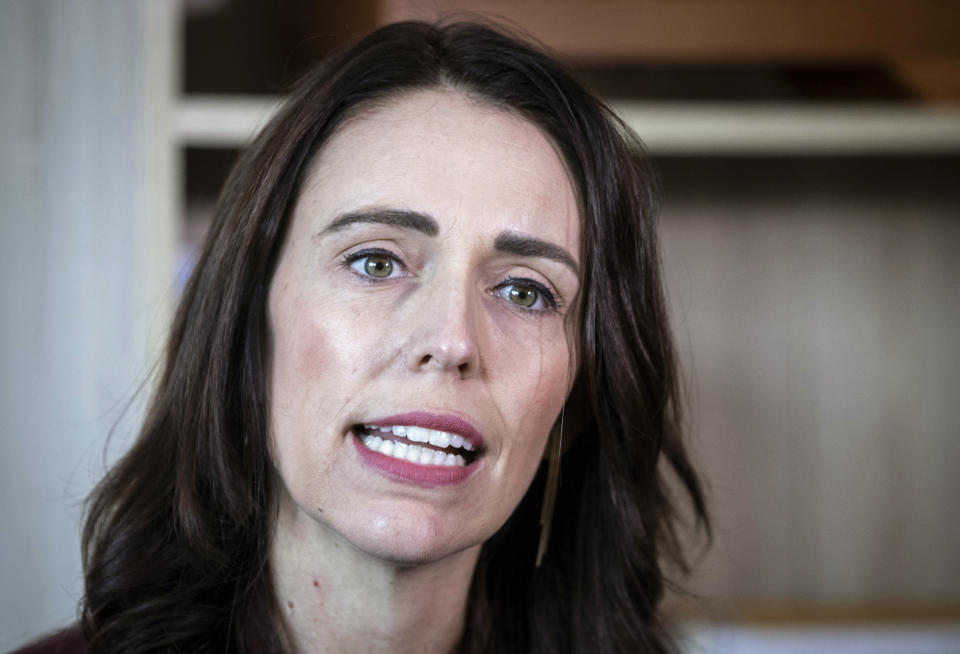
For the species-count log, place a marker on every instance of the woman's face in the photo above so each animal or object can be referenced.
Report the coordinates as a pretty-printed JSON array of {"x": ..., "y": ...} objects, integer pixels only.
[{"x": 420, "y": 300}]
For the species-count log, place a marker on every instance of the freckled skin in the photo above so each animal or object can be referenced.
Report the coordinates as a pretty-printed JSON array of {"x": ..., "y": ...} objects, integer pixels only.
[{"x": 437, "y": 335}]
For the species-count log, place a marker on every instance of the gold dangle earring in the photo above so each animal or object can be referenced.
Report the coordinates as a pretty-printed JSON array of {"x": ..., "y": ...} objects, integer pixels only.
[{"x": 550, "y": 491}]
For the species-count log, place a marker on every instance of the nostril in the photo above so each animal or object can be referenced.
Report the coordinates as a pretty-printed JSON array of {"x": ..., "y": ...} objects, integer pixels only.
[{"x": 447, "y": 356}]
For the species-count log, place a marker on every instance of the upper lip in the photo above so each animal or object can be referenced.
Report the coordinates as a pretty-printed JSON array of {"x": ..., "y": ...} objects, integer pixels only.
[{"x": 439, "y": 421}]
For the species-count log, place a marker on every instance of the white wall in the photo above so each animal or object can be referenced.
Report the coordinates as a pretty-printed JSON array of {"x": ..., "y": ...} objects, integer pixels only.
[{"x": 80, "y": 260}]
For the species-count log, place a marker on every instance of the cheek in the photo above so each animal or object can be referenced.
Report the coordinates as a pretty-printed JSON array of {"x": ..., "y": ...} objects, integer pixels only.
[
  {"x": 535, "y": 393},
  {"x": 537, "y": 374},
  {"x": 317, "y": 348},
  {"x": 316, "y": 361},
  {"x": 300, "y": 353}
]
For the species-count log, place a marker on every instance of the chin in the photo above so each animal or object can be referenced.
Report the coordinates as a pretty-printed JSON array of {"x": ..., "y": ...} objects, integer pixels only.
[{"x": 411, "y": 541}]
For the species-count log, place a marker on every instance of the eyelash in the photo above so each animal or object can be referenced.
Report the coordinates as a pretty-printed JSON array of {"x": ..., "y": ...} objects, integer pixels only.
[{"x": 545, "y": 294}]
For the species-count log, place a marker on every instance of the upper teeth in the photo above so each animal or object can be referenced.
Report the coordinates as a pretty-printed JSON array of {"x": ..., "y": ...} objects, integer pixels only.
[
  {"x": 436, "y": 438},
  {"x": 413, "y": 453}
]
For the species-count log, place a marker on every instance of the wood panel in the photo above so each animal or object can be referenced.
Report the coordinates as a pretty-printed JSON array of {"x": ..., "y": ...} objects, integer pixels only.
[
  {"x": 817, "y": 304},
  {"x": 711, "y": 30},
  {"x": 932, "y": 78}
]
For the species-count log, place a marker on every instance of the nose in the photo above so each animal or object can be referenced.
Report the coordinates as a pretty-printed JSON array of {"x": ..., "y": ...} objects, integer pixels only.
[{"x": 445, "y": 331}]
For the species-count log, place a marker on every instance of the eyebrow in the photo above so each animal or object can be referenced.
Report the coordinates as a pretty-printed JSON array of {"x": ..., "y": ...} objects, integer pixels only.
[
  {"x": 507, "y": 242},
  {"x": 527, "y": 246},
  {"x": 395, "y": 217}
]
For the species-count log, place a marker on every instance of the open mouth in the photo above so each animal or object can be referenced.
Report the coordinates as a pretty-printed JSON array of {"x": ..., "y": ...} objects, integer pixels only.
[{"x": 419, "y": 445}]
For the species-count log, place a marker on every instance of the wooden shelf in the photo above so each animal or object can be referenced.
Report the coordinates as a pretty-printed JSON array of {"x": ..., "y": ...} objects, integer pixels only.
[{"x": 668, "y": 128}]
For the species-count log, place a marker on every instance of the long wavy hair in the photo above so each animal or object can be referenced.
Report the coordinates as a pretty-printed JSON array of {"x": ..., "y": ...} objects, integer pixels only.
[{"x": 175, "y": 544}]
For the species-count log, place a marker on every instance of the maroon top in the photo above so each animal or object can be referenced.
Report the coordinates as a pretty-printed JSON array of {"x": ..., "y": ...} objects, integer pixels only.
[{"x": 68, "y": 641}]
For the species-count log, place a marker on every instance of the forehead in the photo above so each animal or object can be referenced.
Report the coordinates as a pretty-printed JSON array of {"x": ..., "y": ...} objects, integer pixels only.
[{"x": 446, "y": 154}]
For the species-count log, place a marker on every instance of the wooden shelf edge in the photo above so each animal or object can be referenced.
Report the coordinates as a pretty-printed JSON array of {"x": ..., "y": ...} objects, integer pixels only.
[
  {"x": 669, "y": 128},
  {"x": 222, "y": 121},
  {"x": 771, "y": 129},
  {"x": 823, "y": 614}
]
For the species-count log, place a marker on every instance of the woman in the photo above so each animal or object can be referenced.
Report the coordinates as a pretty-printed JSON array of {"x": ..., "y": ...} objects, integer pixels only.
[{"x": 420, "y": 384}]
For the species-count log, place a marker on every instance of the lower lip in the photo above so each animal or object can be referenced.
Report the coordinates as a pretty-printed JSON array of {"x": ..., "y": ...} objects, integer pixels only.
[{"x": 404, "y": 471}]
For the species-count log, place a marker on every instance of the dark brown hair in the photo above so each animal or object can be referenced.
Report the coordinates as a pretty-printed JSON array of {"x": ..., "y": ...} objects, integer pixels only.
[{"x": 175, "y": 545}]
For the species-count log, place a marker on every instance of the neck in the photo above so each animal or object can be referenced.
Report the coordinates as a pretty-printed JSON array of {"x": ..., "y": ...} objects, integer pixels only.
[{"x": 336, "y": 598}]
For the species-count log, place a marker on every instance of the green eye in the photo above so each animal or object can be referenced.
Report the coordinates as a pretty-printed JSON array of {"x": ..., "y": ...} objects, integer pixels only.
[
  {"x": 378, "y": 266},
  {"x": 523, "y": 296},
  {"x": 527, "y": 294}
]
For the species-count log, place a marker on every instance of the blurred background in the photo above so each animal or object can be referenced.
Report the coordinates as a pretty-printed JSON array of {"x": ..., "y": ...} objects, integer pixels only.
[{"x": 810, "y": 155}]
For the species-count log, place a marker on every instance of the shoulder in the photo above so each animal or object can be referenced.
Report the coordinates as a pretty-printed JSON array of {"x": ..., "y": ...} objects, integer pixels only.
[{"x": 68, "y": 641}]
